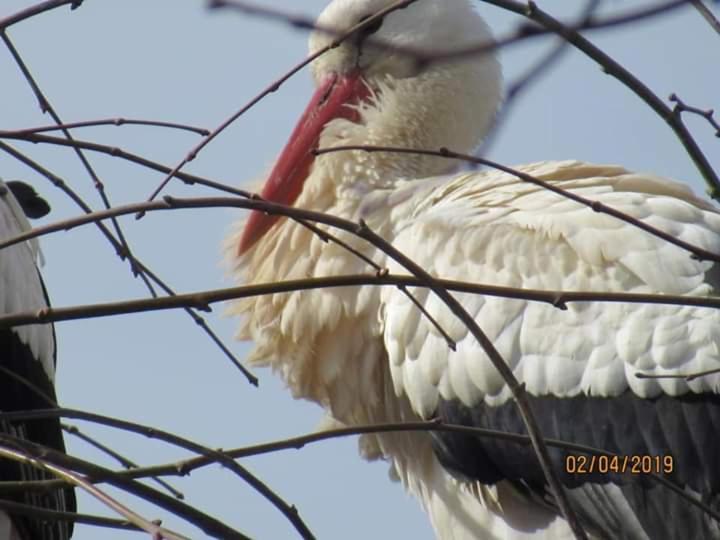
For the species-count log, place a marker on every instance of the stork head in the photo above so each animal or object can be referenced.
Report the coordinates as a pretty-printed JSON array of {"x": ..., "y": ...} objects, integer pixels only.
[{"x": 371, "y": 91}]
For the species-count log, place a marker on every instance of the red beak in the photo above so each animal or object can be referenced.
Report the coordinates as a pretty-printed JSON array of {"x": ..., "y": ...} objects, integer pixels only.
[{"x": 331, "y": 100}]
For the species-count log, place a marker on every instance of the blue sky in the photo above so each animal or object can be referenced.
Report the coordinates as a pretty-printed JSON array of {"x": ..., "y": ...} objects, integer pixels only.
[{"x": 176, "y": 61}]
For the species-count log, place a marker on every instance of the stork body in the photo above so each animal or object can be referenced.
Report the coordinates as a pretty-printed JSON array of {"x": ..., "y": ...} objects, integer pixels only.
[
  {"x": 27, "y": 364},
  {"x": 369, "y": 356}
]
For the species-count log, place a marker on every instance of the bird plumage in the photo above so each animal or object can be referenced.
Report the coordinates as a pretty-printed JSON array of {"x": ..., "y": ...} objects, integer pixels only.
[
  {"x": 27, "y": 367},
  {"x": 370, "y": 356}
]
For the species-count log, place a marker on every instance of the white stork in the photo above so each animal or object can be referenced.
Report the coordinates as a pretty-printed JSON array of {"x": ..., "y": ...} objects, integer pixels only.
[
  {"x": 27, "y": 367},
  {"x": 368, "y": 355}
]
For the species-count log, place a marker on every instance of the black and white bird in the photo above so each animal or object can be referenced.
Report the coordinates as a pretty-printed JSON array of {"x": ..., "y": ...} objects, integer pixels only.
[
  {"x": 369, "y": 355},
  {"x": 27, "y": 367}
]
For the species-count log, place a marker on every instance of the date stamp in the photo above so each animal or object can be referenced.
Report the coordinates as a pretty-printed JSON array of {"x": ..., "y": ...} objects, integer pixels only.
[{"x": 632, "y": 464}]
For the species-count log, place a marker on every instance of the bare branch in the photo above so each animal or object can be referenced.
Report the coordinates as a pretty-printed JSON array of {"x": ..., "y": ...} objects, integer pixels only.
[
  {"x": 47, "y": 107},
  {"x": 613, "y": 68},
  {"x": 681, "y": 107},
  {"x": 273, "y": 87},
  {"x": 289, "y": 511},
  {"x": 146, "y": 272},
  {"x": 125, "y": 462},
  {"x": 548, "y": 24},
  {"x": 119, "y": 121},
  {"x": 522, "y": 33},
  {"x": 442, "y": 288},
  {"x": 518, "y": 390},
  {"x": 688, "y": 376},
  {"x": 299, "y": 442},
  {"x": 203, "y": 299},
  {"x": 68, "y": 468},
  {"x": 38, "y": 8},
  {"x": 55, "y": 515},
  {"x": 596, "y": 206},
  {"x": 707, "y": 14},
  {"x": 189, "y": 179},
  {"x": 17, "y": 449},
  {"x": 122, "y": 248}
]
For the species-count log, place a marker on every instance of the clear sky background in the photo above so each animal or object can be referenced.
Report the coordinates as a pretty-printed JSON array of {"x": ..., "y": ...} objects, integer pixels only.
[{"x": 174, "y": 60}]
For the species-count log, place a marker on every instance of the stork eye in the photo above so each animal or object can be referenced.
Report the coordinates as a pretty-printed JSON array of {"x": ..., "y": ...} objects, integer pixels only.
[{"x": 371, "y": 28}]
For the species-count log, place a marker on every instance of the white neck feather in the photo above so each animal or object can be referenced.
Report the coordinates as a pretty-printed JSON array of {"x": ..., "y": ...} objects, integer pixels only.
[{"x": 424, "y": 106}]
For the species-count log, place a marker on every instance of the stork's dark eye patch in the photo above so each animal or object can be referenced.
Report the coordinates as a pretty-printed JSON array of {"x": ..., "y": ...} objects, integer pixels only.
[{"x": 371, "y": 28}]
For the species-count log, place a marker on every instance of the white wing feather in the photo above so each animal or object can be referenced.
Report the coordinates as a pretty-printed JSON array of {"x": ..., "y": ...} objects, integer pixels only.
[{"x": 494, "y": 229}]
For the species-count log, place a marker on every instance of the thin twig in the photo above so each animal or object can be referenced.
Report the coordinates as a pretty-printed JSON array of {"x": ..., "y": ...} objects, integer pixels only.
[
  {"x": 596, "y": 206},
  {"x": 613, "y": 68},
  {"x": 707, "y": 14},
  {"x": 541, "y": 68},
  {"x": 68, "y": 467},
  {"x": 114, "y": 151},
  {"x": 46, "y": 107},
  {"x": 25, "y": 452},
  {"x": 686, "y": 376},
  {"x": 118, "y": 121},
  {"x": 38, "y": 8},
  {"x": 517, "y": 389},
  {"x": 681, "y": 107},
  {"x": 122, "y": 248},
  {"x": 125, "y": 462},
  {"x": 424, "y": 56},
  {"x": 146, "y": 272},
  {"x": 192, "y": 179},
  {"x": 45, "y": 514},
  {"x": 51, "y": 402},
  {"x": 181, "y": 468},
  {"x": 289, "y": 511},
  {"x": 273, "y": 87},
  {"x": 202, "y": 299}
]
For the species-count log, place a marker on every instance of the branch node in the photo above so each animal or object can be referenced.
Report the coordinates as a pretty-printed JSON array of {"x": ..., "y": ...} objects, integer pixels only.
[
  {"x": 203, "y": 306},
  {"x": 122, "y": 252},
  {"x": 183, "y": 468}
]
